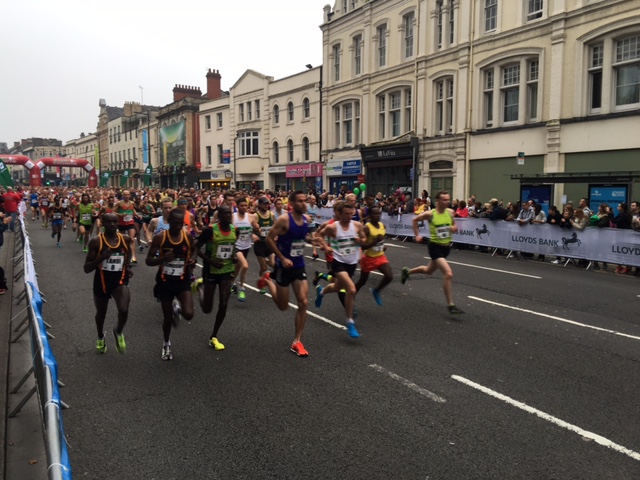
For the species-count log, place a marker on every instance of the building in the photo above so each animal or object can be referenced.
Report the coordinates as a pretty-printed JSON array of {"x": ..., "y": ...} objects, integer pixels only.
[
  {"x": 491, "y": 97},
  {"x": 84, "y": 147},
  {"x": 35, "y": 149}
]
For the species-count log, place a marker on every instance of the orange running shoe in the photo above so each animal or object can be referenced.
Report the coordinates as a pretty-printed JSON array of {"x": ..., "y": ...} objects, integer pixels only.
[
  {"x": 262, "y": 281},
  {"x": 298, "y": 349}
]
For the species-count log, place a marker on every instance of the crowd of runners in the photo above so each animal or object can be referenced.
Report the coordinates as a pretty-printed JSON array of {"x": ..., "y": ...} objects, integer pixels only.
[{"x": 219, "y": 229}]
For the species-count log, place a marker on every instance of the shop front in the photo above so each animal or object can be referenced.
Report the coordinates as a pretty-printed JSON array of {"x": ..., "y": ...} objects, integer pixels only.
[
  {"x": 304, "y": 177},
  {"x": 215, "y": 179},
  {"x": 342, "y": 175},
  {"x": 277, "y": 178},
  {"x": 390, "y": 167}
]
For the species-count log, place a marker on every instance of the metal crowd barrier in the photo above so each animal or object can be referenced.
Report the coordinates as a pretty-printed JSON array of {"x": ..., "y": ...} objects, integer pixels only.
[{"x": 44, "y": 366}]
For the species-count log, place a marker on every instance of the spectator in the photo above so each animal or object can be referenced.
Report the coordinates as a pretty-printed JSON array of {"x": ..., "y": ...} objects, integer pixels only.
[
  {"x": 513, "y": 211},
  {"x": 462, "y": 211},
  {"x": 526, "y": 214},
  {"x": 420, "y": 206},
  {"x": 11, "y": 202},
  {"x": 554, "y": 216},
  {"x": 497, "y": 211},
  {"x": 601, "y": 220},
  {"x": 623, "y": 221},
  {"x": 584, "y": 206},
  {"x": 539, "y": 216}
]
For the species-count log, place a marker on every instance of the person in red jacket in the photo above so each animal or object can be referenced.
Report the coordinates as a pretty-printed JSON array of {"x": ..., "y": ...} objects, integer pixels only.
[{"x": 11, "y": 202}]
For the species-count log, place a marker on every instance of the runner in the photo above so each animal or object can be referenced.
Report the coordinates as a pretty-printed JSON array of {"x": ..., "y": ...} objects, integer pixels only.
[
  {"x": 35, "y": 207},
  {"x": 219, "y": 241},
  {"x": 85, "y": 212},
  {"x": 109, "y": 256},
  {"x": 263, "y": 222},
  {"x": 312, "y": 212},
  {"x": 441, "y": 226},
  {"x": 125, "y": 211},
  {"x": 243, "y": 221},
  {"x": 173, "y": 250},
  {"x": 374, "y": 257},
  {"x": 45, "y": 204},
  {"x": 287, "y": 240},
  {"x": 345, "y": 236},
  {"x": 160, "y": 224},
  {"x": 56, "y": 215}
]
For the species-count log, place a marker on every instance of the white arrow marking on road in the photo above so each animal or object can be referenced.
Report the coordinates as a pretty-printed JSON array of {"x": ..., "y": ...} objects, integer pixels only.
[
  {"x": 492, "y": 269},
  {"x": 550, "y": 418},
  {"x": 411, "y": 385},
  {"x": 553, "y": 317}
]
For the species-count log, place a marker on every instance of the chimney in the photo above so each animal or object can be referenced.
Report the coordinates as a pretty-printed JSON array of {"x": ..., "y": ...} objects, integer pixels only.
[
  {"x": 183, "y": 91},
  {"x": 213, "y": 85}
]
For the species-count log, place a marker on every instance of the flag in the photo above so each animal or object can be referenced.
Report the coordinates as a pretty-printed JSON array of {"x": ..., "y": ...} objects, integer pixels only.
[
  {"x": 104, "y": 179},
  {"x": 148, "y": 172},
  {"x": 125, "y": 177},
  {"x": 5, "y": 175}
]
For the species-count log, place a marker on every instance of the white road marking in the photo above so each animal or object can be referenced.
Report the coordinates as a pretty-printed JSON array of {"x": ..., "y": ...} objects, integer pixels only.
[
  {"x": 394, "y": 245},
  {"x": 411, "y": 385},
  {"x": 492, "y": 269},
  {"x": 553, "y": 317},
  {"x": 550, "y": 418}
]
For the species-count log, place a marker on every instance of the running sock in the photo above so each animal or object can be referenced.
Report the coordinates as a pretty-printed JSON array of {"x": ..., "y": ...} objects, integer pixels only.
[
  {"x": 164, "y": 344},
  {"x": 350, "y": 320}
]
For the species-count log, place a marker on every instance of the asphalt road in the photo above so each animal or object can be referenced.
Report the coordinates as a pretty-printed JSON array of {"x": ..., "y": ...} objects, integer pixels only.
[{"x": 539, "y": 379}]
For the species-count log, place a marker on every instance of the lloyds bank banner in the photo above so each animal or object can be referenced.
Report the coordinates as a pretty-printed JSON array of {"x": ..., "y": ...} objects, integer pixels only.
[{"x": 599, "y": 244}]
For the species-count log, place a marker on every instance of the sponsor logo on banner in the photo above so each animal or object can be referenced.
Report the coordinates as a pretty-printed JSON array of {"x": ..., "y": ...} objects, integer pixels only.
[{"x": 29, "y": 165}]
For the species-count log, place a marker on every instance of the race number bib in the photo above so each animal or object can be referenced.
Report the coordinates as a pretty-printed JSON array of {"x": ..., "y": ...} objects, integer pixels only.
[
  {"x": 175, "y": 268},
  {"x": 244, "y": 234},
  {"x": 115, "y": 263},
  {"x": 128, "y": 218},
  {"x": 85, "y": 217},
  {"x": 57, "y": 216},
  {"x": 264, "y": 231},
  {"x": 443, "y": 232},
  {"x": 224, "y": 251},
  {"x": 347, "y": 246},
  {"x": 297, "y": 248},
  {"x": 378, "y": 247}
]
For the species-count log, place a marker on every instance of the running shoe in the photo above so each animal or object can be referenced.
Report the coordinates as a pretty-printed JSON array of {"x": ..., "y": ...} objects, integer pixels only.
[
  {"x": 85, "y": 250},
  {"x": 316, "y": 278},
  {"x": 58, "y": 244},
  {"x": 262, "y": 281},
  {"x": 242, "y": 296},
  {"x": 454, "y": 310},
  {"x": 234, "y": 289},
  {"x": 101, "y": 345},
  {"x": 214, "y": 343},
  {"x": 134, "y": 260},
  {"x": 53, "y": 234},
  {"x": 141, "y": 248},
  {"x": 196, "y": 284},
  {"x": 167, "y": 354},
  {"x": 121, "y": 345},
  {"x": 319, "y": 296},
  {"x": 404, "y": 276},
  {"x": 263, "y": 291},
  {"x": 352, "y": 330},
  {"x": 175, "y": 306},
  {"x": 376, "y": 296},
  {"x": 299, "y": 350},
  {"x": 315, "y": 256}
]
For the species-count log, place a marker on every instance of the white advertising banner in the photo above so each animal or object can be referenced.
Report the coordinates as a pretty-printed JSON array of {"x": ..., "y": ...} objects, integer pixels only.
[{"x": 599, "y": 244}]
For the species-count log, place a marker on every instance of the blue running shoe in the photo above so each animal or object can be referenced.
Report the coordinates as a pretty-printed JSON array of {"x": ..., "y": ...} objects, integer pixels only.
[
  {"x": 319, "y": 296},
  {"x": 376, "y": 296},
  {"x": 352, "y": 330}
]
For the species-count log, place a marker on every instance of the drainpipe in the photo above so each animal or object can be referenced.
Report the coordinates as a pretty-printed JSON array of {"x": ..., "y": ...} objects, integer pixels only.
[{"x": 467, "y": 129}]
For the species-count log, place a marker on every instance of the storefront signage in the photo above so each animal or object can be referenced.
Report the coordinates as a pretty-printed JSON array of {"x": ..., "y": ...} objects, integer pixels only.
[
  {"x": 387, "y": 153},
  {"x": 281, "y": 169},
  {"x": 307, "y": 170},
  {"x": 441, "y": 165},
  {"x": 226, "y": 156},
  {"x": 337, "y": 168}
]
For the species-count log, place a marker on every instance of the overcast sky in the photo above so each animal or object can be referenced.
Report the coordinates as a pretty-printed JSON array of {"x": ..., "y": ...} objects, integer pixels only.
[{"x": 59, "y": 58}]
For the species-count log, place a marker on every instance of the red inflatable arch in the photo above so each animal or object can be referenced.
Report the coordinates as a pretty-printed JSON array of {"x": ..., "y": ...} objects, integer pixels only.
[{"x": 35, "y": 180}]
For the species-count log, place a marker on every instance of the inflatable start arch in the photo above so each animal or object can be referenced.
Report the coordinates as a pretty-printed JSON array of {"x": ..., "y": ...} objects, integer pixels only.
[{"x": 35, "y": 179}]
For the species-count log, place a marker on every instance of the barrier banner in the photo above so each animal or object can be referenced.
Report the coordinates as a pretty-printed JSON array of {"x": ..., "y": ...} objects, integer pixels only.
[{"x": 621, "y": 247}]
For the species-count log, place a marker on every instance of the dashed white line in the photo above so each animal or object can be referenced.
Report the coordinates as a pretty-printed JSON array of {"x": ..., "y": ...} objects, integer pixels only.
[
  {"x": 553, "y": 317},
  {"x": 550, "y": 418},
  {"x": 492, "y": 269},
  {"x": 411, "y": 385}
]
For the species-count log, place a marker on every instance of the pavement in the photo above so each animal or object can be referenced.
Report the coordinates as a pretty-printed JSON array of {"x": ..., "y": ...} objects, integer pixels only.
[{"x": 21, "y": 437}]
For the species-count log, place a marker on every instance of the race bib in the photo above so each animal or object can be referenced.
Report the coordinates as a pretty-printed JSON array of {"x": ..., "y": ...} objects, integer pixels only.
[
  {"x": 264, "y": 231},
  {"x": 175, "y": 268},
  {"x": 347, "y": 246},
  {"x": 128, "y": 218},
  {"x": 224, "y": 251},
  {"x": 378, "y": 247},
  {"x": 297, "y": 248},
  {"x": 57, "y": 216},
  {"x": 443, "y": 232},
  {"x": 85, "y": 217},
  {"x": 115, "y": 263},
  {"x": 244, "y": 234}
]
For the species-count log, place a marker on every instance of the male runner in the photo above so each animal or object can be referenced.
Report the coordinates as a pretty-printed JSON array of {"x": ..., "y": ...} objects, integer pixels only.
[
  {"x": 84, "y": 219},
  {"x": 56, "y": 215},
  {"x": 345, "y": 238},
  {"x": 263, "y": 222},
  {"x": 45, "y": 204},
  {"x": 287, "y": 240},
  {"x": 35, "y": 208},
  {"x": 161, "y": 223},
  {"x": 441, "y": 226},
  {"x": 243, "y": 221},
  {"x": 220, "y": 243},
  {"x": 125, "y": 211},
  {"x": 373, "y": 257},
  {"x": 173, "y": 251},
  {"x": 109, "y": 256}
]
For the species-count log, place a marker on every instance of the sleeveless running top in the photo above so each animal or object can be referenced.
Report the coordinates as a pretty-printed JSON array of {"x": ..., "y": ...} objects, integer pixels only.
[
  {"x": 176, "y": 269},
  {"x": 378, "y": 249},
  {"x": 345, "y": 249},
  {"x": 127, "y": 219},
  {"x": 84, "y": 213},
  {"x": 221, "y": 245},
  {"x": 244, "y": 231},
  {"x": 161, "y": 227},
  {"x": 115, "y": 266},
  {"x": 292, "y": 243},
  {"x": 265, "y": 225},
  {"x": 440, "y": 227}
]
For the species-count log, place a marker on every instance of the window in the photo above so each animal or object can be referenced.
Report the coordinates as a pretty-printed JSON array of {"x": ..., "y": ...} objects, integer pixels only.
[
  {"x": 336, "y": 63},
  {"x": 439, "y": 25},
  {"x": 382, "y": 45},
  {"x": 408, "y": 21},
  {"x": 626, "y": 67},
  {"x": 290, "y": 151},
  {"x": 220, "y": 155},
  {"x": 534, "y": 9},
  {"x": 452, "y": 24},
  {"x": 490, "y": 15},
  {"x": 208, "y": 155},
  {"x": 444, "y": 106},
  {"x": 595, "y": 77},
  {"x": 241, "y": 107},
  {"x": 357, "y": 54},
  {"x": 276, "y": 152},
  {"x": 276, "y": 115},
  {"x": 257, "y": 105},
  {"x": 290, "y": 112},
  {"x": 305, "y": 108},
  {"x": 249, "y": 111},
  {"x": 219, "y": 115},
  {"x": 532, "y": 89},
  {"x": 510, "y": 93},
  {"x": 249, "y": 142},
  {"x": 394, "y": 113},
  {"x": 488, "y": 97},
  {"x": 207, "y": 122},
  {"x": 347, "y": 124},
  {"x": 305, "y": 148}
]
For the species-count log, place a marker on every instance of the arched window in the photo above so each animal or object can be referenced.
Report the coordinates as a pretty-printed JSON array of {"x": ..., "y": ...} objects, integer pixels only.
[
  {"x": 276, "y": 114},
  {"x": 305, "y": 148},
  {"x": 290, "y": 151},
  {"x": 276, "y": 152},
  {"x": 290, "y": 112}
]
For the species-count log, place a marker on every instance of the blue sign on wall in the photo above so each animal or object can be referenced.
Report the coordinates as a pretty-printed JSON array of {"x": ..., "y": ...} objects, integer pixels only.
[
  {"x": 352, "y": 167},
  {"x": 612, "y": 195},
  {"x": 538, "y": 193}
]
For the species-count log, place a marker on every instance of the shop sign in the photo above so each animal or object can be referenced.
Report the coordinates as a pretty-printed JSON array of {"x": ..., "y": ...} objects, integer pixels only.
[
  {"x": 336, "y": 168},
  {"x": 307, "y": 170},
  {"x": 387, "y": 153},
  {"x": 280, "y": 169}
]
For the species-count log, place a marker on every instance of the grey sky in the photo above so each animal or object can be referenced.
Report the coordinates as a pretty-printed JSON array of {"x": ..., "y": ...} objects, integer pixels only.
[{"x": 59, "y": 58}]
